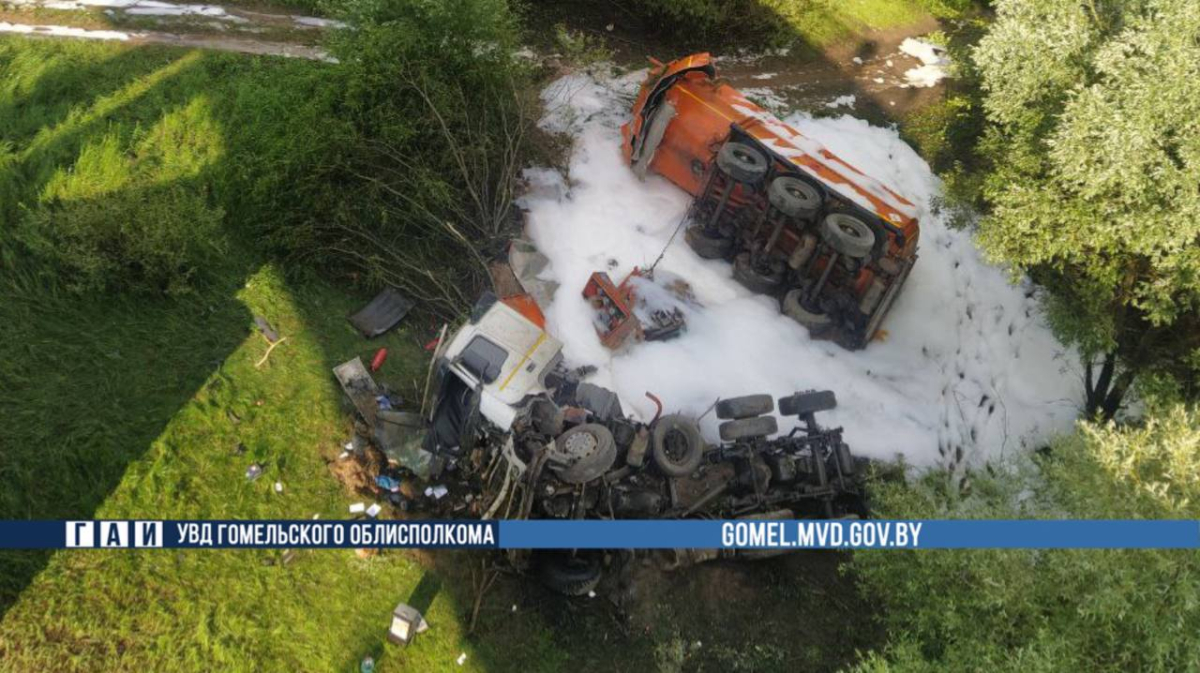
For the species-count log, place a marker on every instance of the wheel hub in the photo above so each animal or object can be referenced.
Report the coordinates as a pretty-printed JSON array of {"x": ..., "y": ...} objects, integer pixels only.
[{"x": 580, "y": 445}]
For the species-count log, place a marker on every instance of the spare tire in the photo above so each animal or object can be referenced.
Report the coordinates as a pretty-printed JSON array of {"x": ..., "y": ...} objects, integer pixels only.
[
  {"x": 753, "y": 279},
  {"x": 807, "y": 403},
  {"x": 706, "y": 244},
  {"x": 848, "y": 235},
  {"x": 676, "y": 445},
  {"x": 743, "y": 428},
  {"x": 742, "y": 163},
  {"x": 794, "y": 197},
  {"x": 570, "y": 574},
  {"x": 583, "y": 453},
  {"x": 745, "y": 406}
]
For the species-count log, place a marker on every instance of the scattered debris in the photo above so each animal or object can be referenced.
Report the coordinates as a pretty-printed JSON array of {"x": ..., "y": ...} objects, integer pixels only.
[
  {"x": 387, "y": 483},
  {"x": 254, "y": 472},
  {"x": 462, "y": 659},
  {"x": 527, "y": 264},
  {"x": 383, "y": 313},
  {"x": 407, "y": 622},
  {"x": 436, "y": 492},
  {"x": 373, "y": 510},
  {"x": 367, "y": 665},
  {"x": 358, "y": 508},
  {"x": 279, "y": 487},
  {"x": 379, "y": 359},
  {"x": 362, "y": 390},
  {"x": 267, "y": 330},
  {"x": 400, "y": 435}
]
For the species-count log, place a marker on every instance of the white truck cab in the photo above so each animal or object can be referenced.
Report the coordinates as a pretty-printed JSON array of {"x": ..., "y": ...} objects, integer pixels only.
[{"x": 489, "y": 367}]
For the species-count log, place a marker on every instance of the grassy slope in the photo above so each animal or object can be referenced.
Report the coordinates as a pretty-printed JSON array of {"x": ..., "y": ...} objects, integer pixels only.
[{"x": 119, "y": 406}]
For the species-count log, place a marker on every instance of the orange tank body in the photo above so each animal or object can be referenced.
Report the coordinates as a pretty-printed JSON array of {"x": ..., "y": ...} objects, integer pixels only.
[{"x": 706, "y": 108}]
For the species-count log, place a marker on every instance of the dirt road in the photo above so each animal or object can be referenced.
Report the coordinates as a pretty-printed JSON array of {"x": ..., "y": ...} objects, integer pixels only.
[{"x": 216, "y": 27}]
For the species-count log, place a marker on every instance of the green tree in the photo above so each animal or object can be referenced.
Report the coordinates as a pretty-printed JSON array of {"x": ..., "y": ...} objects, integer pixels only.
[
  {"x": 1050, "y": 610},
  {"x": 1094, "y": 187}
]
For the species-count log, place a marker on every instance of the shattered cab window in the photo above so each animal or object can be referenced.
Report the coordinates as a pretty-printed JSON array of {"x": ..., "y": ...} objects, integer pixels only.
[{"x": 483, "y": 359}]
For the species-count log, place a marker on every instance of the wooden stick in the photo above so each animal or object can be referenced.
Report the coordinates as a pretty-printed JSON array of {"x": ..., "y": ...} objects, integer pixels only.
[{"x": 269, "y": 349}]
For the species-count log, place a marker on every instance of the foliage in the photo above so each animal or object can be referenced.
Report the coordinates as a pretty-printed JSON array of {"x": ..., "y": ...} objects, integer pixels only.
[
  {"x": 804, "y": 23},
  {"x": 579, "y": 49},
  {"x": 1095, "y": 157},
  {"x": 438, "y": 114},
  {"x": 1051, "y": 610}
]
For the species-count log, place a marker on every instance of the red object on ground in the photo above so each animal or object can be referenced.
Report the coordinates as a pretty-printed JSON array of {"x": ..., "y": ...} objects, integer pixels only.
[
  {"x": 616, "y": 320},
  {"x": 432, "y": 345},
  {"x": 377, "y": 361}
]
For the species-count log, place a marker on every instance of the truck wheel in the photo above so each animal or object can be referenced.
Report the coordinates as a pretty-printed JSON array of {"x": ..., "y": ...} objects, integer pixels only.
[
  {"x": 753, "y": 279},
  {"x": 794, "y": 197},
  {"x": 743, "y": 428},
  {"x": 570, "y": 575},
  {"x": 583, "y": 453},
  {"x": 807, "y": 403},
  {"x": 706, "y": 244},
  {"x": 742, "y": 162},
  {"x": 793, "y": 308},
  {"x": 848, "y": 235},
  {"x": 745, "y": 406},
  {"x": 676, "y": 445}
]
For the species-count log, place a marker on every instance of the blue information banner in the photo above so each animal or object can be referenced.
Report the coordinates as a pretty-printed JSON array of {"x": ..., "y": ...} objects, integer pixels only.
[{"x": 625, "y": 534}]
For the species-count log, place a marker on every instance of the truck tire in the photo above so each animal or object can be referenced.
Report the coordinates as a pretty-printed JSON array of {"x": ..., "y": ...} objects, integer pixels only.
[
  {"x": 570, "y": 574},
  {"x": 753, "y": 279},
  {"x": 793, "y": 307},
  {"x": 745, "y": 407},
  {"x": 742, "y": 163},
  {"x": 706, "y": 244},
  {"x": 807, "y": 403},
  {"x": 848, "y": 235},
  {"x": 676, "y": 445},
  {"x": 587, "y": 451},
  {"x": 744, "y": 428},
  {"x": 794, "y": 197}
]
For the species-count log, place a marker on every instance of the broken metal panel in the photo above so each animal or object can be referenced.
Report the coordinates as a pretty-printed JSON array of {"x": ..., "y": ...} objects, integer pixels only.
[
  {"x": 527, "y": 263},
  {"x": 358, "y": 385},
  {"x": 401, "y": 435},
  {"x": 382, "y": 313}
]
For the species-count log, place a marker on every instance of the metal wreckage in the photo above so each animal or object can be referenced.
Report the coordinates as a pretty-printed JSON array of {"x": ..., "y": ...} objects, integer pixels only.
[{"x": 512, "y": 432}]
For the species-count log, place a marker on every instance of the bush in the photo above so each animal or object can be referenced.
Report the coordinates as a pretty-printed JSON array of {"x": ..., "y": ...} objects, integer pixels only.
[
  {"x": 1051, "y": 610},
  {"x": 438, "y": 113},
  {"x": 128, "y": 240}
]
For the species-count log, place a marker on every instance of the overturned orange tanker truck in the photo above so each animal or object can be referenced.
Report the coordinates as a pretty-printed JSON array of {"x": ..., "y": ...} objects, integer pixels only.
[{"x": 832, "y": 244}]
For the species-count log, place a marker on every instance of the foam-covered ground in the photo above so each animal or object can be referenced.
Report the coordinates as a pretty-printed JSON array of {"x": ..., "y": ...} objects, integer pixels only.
[{"x": 968, "y": 366}]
